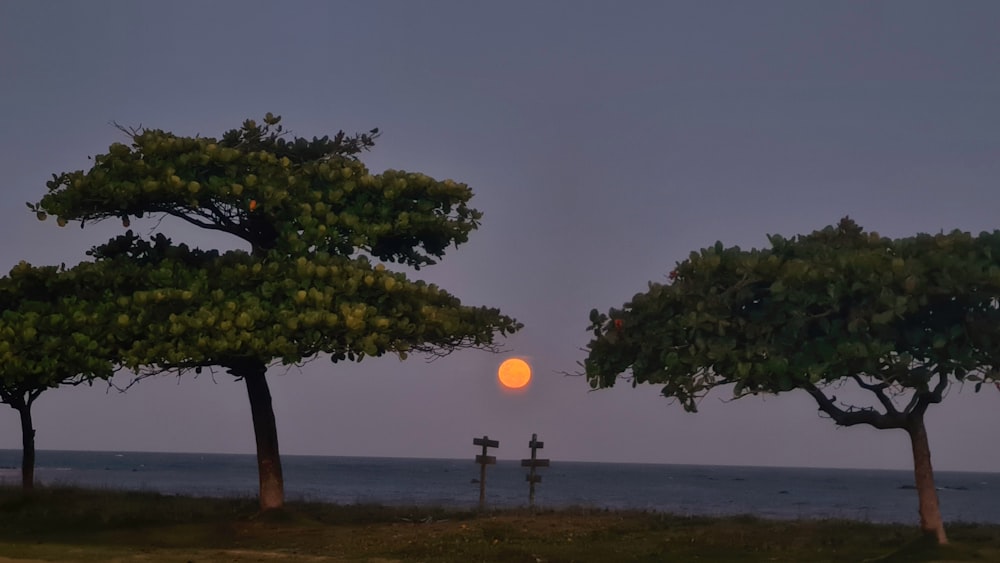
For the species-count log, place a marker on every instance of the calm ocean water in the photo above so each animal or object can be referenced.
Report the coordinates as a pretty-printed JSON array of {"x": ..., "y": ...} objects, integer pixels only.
[{"x": 869, "y": 495}]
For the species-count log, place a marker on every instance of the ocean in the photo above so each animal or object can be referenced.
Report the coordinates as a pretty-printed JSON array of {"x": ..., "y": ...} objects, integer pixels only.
[{"x": 782, "y": 493}]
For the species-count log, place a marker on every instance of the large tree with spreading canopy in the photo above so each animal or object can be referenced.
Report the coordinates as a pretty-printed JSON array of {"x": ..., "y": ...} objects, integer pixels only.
[
  {"x": 900, "y": 319},
  {"x": 320, "y": 228}
]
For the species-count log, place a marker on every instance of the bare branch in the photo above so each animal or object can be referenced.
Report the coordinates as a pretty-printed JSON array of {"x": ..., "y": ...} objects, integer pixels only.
[
  {"x": 878, "y": 389},
  {"x": 938, "y": 393},
  {"x": 32, "y": 395},
  {"x": 914, "y": 400},
  {"x": 212, "y": 212},
  {"x": 147, "y": 372},
  {"x": 923, "y": 399},
  {"x": 206, "y": 224},
  {"x": 156, "y": 227},
  {"x": 843, "y": 417},
  {"x": 926, "y": 398},
  {"x": 434, "y": 352},
  {"x": 131, "y": 132}
]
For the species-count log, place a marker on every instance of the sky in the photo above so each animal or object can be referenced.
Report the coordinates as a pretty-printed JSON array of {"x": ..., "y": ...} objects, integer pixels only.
[{"x": 604, "y": 141}]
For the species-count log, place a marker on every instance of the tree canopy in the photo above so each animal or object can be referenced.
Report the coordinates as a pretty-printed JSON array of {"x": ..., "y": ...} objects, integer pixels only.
[
  {"x": 291, "y": 195},
  {"x": 53, "y": 332},
  {"x": 899, "y": 318},
  {"x": 200, "y": 308},
  {"x": 320, "y": 228}
]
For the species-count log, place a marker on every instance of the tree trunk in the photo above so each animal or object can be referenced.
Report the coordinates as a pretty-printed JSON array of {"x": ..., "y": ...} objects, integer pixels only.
[
  {"x": 930, "y": 514},
  {"x": 272, "y": 484},
  {"x": 27, "y": 447}
]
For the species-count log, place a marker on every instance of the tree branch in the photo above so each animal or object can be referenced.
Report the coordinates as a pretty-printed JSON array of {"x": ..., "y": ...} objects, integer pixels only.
[
  {"x": 924, "y": 399},
  {"x": 855, "y": 417},
  {"x": 433, "y": 352},
  {"x": 879, "y": 390},
  {"x": 215, "y": 212},
  {"x": 913, "y": 403},
  {"x": 233, "y": 230},
  {"x": 938, "y": 393},
  {"x": 34, "y": 394}
]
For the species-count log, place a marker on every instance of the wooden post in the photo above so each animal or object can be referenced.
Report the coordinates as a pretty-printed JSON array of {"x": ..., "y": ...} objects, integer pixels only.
[
  {"x": 531, "y": 464},
  {"x": 483, "y": 460}
]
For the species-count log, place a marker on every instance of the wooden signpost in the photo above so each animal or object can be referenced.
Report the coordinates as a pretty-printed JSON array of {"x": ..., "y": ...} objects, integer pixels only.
[
  {"x": 483, "y": 460},
  {"x": 531, "y": 464}
]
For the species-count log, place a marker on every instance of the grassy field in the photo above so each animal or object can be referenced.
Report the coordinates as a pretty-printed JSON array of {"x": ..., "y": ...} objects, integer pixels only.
[{"x": 66, "y": 524}]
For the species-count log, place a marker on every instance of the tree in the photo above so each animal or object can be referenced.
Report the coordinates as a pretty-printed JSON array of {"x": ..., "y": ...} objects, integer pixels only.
[
  {"x": 901, "y": 319},
  {"x": 51, "y": 334},
  {"x": 315, "y": 220}
]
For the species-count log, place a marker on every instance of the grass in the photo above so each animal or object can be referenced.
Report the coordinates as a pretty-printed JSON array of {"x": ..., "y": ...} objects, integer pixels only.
[{"x": 72, "y": 524}]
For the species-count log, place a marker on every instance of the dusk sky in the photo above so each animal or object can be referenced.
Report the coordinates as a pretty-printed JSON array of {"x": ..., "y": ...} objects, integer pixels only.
[{"x": 604, "y": 141}]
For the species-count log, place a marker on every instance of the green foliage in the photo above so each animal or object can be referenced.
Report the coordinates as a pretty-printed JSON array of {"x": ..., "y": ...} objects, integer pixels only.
[
  {"x": 811, "y": 310},
  {"x": 312, "y": 214},
  {"x": 53, "y": 327},
  {"x": 310, "y": 211},
  {"x": 205, "y": 308},
  {"x": 292, "y": 195},
  {"x": 56, "y": 329}
]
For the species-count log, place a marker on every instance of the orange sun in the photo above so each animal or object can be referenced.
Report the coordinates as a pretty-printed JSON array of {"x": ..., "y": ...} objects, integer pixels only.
[{"x": 514, "y": 373}]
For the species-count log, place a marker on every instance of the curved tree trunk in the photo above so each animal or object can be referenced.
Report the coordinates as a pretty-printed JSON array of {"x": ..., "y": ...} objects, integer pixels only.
[
  {"x": 272, "y": 484},
  {"x": 930, "y": 514},
  {"x": 27, "y": 447}
]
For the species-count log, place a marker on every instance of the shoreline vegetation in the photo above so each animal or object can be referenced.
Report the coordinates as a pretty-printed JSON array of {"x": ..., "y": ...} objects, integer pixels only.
[{"x": 78, "y": 524}]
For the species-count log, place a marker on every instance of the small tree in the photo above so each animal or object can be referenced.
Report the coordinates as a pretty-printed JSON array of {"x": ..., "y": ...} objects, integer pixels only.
[
  {"x": 900, "y": 319},
  {"x": 52, "y": 333},
  {"x": 314, "y": 219}
]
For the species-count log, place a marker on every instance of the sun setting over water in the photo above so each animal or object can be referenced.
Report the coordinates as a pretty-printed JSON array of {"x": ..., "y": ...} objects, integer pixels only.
[{"x": 514, "y": 373}]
